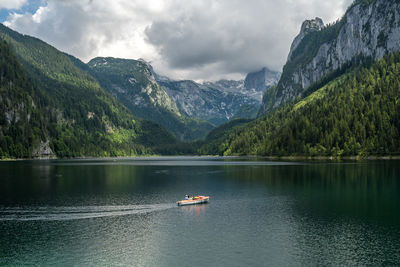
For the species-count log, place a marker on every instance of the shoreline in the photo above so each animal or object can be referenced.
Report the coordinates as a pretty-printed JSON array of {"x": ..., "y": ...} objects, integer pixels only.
[
  {"x": 332, "y": 158},
  {"x": 269, "y": 158}
]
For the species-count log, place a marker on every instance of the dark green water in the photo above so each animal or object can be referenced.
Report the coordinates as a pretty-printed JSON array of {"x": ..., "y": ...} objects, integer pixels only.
[{"x": 122, "y": 212}]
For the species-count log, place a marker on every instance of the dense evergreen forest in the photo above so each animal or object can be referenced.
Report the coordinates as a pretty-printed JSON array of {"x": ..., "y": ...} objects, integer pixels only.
[
  {"x": 21, "y": 123},
  {"x": 357, "y": 113}
]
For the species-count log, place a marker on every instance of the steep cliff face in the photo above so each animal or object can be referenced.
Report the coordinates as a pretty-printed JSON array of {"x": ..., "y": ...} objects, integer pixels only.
[
  {"x": 369, "y": 29},
  {"x": 261, "y": 80},
  {"x": 308, "y": 26}
]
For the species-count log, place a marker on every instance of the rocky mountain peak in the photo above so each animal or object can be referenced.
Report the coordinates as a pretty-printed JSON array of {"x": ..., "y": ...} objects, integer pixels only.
[
  {"x": 147, "y": 63},
  {"x": 260, "y": 80},
  {"x": 308, "y": 26},
  {"x": 312, "y": 25}
]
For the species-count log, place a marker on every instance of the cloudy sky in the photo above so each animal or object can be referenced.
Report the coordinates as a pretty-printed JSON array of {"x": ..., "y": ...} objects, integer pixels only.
[{"x": 183, "y": 39}]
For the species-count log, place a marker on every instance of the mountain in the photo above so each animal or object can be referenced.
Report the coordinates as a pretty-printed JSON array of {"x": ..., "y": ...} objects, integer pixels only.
[
  {"x": 356, "y": 114},
  {"x": 261, "y": 80},
  {"x": 189, "y": 110},
  {"x": 369, "y": 30},
  {"x": 221, "y": 101},
  {"x": 202, "y": 101},
  {"x": 132, "y": 79},
  {"x": 52, "y": 107},
  {"x": 132, "y": 82},
  {"x": 338, "y": 94}
]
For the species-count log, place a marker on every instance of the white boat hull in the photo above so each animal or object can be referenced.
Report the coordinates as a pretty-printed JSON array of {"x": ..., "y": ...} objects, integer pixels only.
[{"x": 193, "y": 202}]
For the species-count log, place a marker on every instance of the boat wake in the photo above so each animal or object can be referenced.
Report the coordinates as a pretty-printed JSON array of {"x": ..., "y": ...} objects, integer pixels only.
[{"x": 75, "y": 213}]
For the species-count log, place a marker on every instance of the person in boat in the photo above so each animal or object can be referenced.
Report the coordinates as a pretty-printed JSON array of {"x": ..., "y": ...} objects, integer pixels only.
[{"x": 186, "y": 197}]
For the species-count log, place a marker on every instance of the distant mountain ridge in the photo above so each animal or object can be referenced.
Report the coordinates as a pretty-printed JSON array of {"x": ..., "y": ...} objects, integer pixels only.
[
  {"x": 261, "y": 80},
  {"x": 186, "y": 108},
  {"x": 219, "y": 102}
]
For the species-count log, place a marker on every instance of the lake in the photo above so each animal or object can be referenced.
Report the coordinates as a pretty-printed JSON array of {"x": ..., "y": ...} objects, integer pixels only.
[{"x": 107, "y": 212}]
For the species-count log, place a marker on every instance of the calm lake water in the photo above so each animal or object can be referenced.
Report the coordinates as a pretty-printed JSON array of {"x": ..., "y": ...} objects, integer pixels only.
[{"x": 123, "y": 212}]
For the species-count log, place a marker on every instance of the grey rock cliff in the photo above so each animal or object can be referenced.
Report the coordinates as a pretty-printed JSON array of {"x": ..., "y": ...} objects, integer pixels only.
[
  {"x": 209, "y": 101},
  {"x": 261, "y": 80},
  {"x": 43, "y": 150},
  {"x": 368, "y": 30},
  {"x": 308, "y": 26},
  {"x": 218, "y": 102}
]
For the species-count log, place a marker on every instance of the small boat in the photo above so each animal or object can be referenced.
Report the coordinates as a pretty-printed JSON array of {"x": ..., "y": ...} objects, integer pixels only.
[{"x": 194, "y": 200}]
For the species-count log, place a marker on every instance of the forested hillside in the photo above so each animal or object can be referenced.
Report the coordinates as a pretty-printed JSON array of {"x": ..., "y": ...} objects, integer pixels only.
[
  {"x": 215, "y": 140},
  {"x": 22, "y": 126},
  {"x": 357, "y": 113},
  {"x": 50, "y": 107}
]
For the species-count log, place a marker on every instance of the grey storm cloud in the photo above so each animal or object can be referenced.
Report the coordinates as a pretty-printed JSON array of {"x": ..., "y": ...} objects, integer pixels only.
[
  {"x": 207, "y": 39},
  {"x": 238, "y": 36}
]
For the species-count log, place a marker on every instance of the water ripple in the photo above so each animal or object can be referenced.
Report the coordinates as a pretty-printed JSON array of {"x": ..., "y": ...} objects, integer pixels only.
[{"x": 76, "y": 213}]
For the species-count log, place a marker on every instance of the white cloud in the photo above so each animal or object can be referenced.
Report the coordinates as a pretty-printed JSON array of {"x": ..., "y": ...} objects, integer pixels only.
[
  {"x": 12, "y": 4},
  {"x": 90, "y": 28},
  {"x": 184, "y": 39}
]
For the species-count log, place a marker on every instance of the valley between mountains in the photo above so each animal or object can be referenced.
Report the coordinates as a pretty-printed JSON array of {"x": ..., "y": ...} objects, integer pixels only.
[{"x": 338, "y": 96}]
